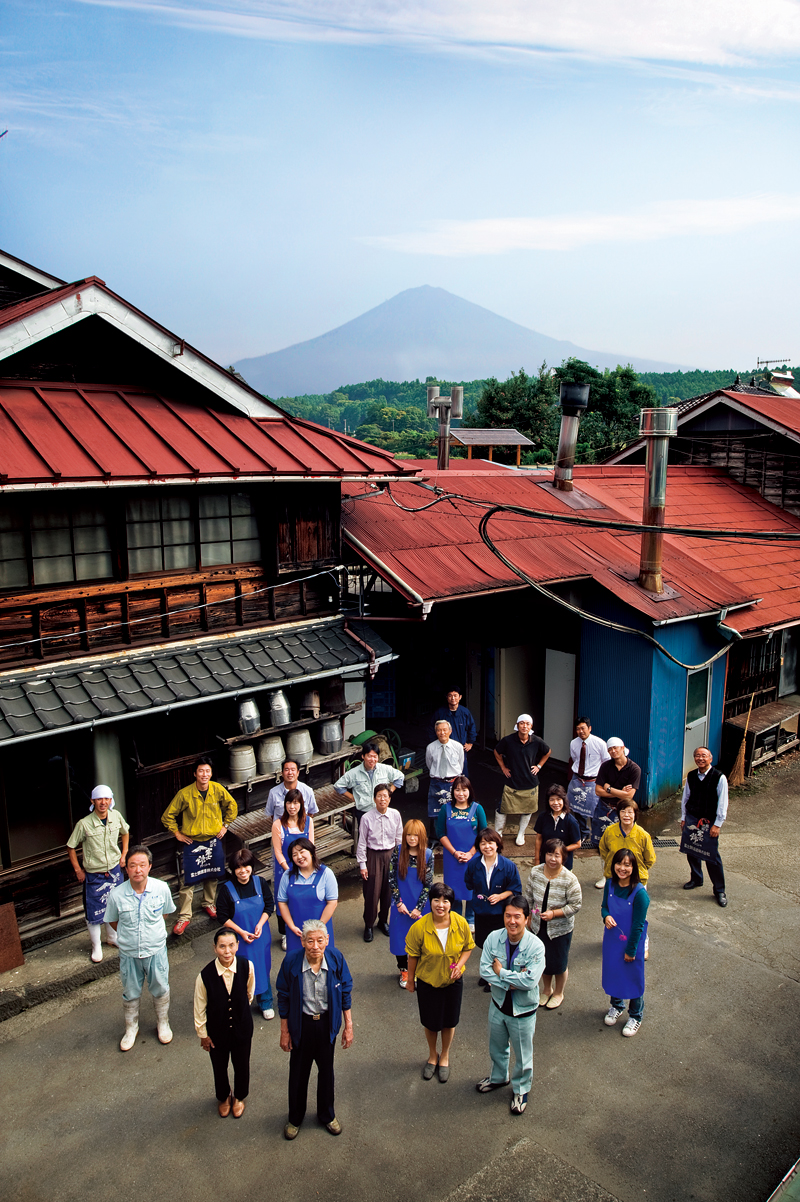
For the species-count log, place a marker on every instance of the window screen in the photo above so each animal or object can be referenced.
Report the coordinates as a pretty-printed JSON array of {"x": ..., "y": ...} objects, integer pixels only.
[
  {"x": 70, "y": 544},
  {"x": 160, "y": 534},
  {"x": 228, "y": 530}
]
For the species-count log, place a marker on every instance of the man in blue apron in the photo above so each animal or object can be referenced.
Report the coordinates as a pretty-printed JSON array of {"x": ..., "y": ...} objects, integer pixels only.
[
  {"x": 314, "y": 990},
  {"x": 587, "y": 753},
  {"x": 223, "y": 995},
  {"x": 512, "y": 962},
  {"x": 136, "y": 910},
  {"x": 704, "y": 808},
  {"x": 444, "y": 759},
  {"x": 99, "y": 835},
  {"x": 205, "y": 810}
]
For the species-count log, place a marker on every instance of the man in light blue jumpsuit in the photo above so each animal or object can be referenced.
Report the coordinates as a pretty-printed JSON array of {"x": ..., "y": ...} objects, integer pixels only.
[
  {"x": 512, "y": 962},
  {"x": 136, "y": 910}
]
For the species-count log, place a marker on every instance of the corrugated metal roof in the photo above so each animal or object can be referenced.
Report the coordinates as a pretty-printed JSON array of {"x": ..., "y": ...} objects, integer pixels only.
[
  {"x": 58, "y": 433},
  {"x": 439, "y": 554},
  {"x": 38, "y": 702}
]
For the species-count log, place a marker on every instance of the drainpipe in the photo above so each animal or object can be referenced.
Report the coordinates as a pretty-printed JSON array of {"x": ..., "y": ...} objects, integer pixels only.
[
  {"x": 574, "y": 399},
  {"x": 657, "y": 426}
]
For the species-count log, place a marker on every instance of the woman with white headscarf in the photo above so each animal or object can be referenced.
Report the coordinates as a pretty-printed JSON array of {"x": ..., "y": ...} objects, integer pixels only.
[
  {"x": 99, "y": 835},
  {"x": 521, "y": 757}
]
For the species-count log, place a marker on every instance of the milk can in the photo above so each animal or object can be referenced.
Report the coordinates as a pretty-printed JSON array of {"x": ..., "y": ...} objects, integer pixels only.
[
  {"x": 330, "y": 736},
  {"x": 279, "y": 712},
  {"x": 299, "y": 747},
  {"x": 249, "y": 717},
  {"x": 242, "y": 763},
  {"x": 270, "y": 755}
]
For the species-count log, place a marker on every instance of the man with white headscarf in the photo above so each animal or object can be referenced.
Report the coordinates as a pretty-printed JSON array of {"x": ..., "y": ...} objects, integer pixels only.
[
  {"x": 521, "y": 757},
  {"x": 617, "y": 780},
  {"x": 99, "y": 835}
]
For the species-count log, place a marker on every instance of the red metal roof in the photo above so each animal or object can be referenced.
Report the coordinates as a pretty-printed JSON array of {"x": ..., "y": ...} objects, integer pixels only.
[
  {"x": 439, "y": 554},
  {"x": 54, "y": 433}
]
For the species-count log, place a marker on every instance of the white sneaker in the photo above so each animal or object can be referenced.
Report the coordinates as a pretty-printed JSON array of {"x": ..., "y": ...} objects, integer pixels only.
[
  {"x": 612, "y": 1016},
  {"x": 520, "y": 842},
  {"x": 631, "y": 1026},
  {"x": 268, "y": 1014},
  {"x": 283, "y": 942},
  {"x": 601, "y": 884},
  {"x": 471, "y": 926}
]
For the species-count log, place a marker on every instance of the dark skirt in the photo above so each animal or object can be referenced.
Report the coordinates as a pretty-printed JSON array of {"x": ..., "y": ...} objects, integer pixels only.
[
  {"x": 439, "y": 1009},
  {"x": 556, "y": 951},
  {"x": 485, "y": 924}
]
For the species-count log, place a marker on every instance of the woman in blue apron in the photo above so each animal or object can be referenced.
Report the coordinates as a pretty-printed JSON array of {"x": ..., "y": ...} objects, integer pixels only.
[
  {"x": 99, "y": 835},
  {"x": 244, "y": 905},
  {"x": 624, "y": 911},
  {"x": 459, "y": 822},
  {"x": 292, "y": 824},
  {"x": 410, "y": 880},
  {"x": 307, "y": 890}
]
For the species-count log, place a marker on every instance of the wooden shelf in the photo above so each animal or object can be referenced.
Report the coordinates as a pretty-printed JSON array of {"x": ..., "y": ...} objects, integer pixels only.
[
  {"x": 301, "y": 722},
  {"x": 346, "y": 750}
]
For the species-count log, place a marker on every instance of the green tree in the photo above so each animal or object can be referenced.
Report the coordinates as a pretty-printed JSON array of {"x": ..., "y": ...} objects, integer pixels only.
[{"x": 525, "y": 403}]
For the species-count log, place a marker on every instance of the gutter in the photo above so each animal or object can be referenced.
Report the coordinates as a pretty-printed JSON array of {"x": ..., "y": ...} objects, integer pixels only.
[
  {"x": 404, "y": 588},
  {"x": 171, "y": 481},
  {"x": 719, "y": 614}
]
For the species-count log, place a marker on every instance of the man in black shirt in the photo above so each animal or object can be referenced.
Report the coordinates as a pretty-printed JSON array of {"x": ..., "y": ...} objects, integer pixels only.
[{"x": 521, "y": 757}]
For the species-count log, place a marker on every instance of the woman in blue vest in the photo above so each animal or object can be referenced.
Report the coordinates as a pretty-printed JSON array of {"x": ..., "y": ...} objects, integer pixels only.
[
  {"x": 307, "y": 890},
  {"x": 244, "y": 905},
  {"x": 624, "y": 911},
  {"x": 493, "y": 879},
  {"x": 410, "y": 880},
  {"x": 458, "y": 823}
]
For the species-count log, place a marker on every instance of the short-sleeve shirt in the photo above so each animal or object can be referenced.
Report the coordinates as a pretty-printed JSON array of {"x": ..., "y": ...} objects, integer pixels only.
[
  {"x": 520, "y": 758},
  {"x": 618, "y": 778},
  {"x": 323, "y": 882},
  {"x": 140, "y": 917},
  {"x": 99, "y": 840},
  {"x": 275, "y": 798}
]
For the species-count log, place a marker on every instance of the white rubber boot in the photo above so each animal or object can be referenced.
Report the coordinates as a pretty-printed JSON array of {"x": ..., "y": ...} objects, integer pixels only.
[
  {"x": 111, "y": 936},
  {"x": 524, "y": 819},
  {"x": 131, "y": 1010},
  {"x": 499, "y": 821},
  {"x": 95, "y": 931},
  {"x": 162, "y": 1018}
]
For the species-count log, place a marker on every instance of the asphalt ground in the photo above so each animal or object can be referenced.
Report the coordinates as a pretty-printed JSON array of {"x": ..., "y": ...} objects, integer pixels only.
[{"x": 702, "y": 1104}]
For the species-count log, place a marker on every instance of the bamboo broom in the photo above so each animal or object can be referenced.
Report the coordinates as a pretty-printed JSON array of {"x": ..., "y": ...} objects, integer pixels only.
[{"x": 737, "y": 772}]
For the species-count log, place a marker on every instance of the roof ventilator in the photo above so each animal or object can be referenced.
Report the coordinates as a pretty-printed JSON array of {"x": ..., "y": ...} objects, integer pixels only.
[
  {"x": 574, "y": 399},
  {"x": 657, "y": 426}
]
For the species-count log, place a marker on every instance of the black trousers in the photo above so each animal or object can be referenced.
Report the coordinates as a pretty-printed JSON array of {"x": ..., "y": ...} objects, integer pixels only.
[
  {"x": 715, "y": 872},
  {"x": 315, "y": 1048},
  {"x": 239, "y": 1055},
  {"x": 377, "y": 895}
]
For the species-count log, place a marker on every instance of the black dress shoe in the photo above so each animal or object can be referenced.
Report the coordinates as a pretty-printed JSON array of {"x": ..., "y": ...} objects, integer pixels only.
[
  {"x": 721, "y": 899},
  {"x": 368, "y": 936},
  {"x": 383, "y": 927},
  {"x": 693, "y": 885}
]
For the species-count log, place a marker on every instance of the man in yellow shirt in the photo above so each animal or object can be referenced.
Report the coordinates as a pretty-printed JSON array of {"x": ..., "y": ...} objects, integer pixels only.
[{"x": 205, "y": 811}]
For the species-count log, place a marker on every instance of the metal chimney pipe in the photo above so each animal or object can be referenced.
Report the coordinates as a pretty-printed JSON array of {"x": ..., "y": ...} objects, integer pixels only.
[
  {"x": 657, "y": 426},
  {"x": 574, "y": 399}
]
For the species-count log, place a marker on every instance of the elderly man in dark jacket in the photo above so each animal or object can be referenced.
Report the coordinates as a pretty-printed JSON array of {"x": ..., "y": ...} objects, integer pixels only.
[{"x": 314, "y": 989}]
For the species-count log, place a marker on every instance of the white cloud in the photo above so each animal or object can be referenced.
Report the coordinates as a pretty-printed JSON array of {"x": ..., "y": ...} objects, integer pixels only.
[
  {"x": 667, "y": 219},
  {"x": 720, "y": 32}
]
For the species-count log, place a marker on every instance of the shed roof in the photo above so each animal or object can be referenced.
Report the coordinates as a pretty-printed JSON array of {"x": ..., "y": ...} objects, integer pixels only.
[
  {"x": 489, "y": 438},
  {"x": 437, "y": 554},
  {"x": 38, "y": 702},
  {"x": 62, "y": 433}
]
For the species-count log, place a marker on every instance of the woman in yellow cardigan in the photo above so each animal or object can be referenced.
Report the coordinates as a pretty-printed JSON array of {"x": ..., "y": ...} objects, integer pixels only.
[
  {"x": 438, "y": 946},
  {"x": 626, "y": 833}
]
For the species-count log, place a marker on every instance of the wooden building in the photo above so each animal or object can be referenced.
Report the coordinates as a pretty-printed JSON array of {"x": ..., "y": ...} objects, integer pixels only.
[{"x": 169, "y": 545}]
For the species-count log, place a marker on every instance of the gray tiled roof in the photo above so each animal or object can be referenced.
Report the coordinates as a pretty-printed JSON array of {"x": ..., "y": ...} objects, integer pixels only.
[{"x": 70, "y": 696}]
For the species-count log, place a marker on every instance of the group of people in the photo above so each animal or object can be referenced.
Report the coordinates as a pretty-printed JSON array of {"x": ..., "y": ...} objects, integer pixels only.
[{"x": 524, "y": 933}]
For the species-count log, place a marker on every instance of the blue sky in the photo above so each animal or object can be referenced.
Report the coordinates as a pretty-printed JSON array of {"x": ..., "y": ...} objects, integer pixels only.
[{"x": 252, "y": 173}]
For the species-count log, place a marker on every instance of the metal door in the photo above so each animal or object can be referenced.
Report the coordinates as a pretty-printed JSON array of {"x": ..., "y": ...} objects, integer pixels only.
[{"x": 696, "y": 729}]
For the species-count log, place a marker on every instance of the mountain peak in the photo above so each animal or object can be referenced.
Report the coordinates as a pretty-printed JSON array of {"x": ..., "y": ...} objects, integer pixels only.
[{"x": 420, "y": 332}]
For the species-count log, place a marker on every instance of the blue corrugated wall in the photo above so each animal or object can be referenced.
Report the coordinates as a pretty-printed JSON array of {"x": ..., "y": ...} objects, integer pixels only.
[{"x": 630, "y": 690}]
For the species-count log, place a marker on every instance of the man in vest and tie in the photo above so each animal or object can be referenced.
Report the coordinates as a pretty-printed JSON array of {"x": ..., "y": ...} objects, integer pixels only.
[
  {"x": 705, "y": 803},
  {"x": 223, "y": 995}
]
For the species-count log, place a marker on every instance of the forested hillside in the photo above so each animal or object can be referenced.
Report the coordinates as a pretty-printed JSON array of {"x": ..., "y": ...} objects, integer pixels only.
[{"x": 393, "y": 415}]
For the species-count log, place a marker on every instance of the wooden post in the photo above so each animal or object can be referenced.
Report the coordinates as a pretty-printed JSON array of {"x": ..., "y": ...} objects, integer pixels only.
[
  {"x": 519, "y": 454},
  {"x": 469, "y": 451},
  {"x": 10, "y": 947},
  {"x": 490, "y": 453}
]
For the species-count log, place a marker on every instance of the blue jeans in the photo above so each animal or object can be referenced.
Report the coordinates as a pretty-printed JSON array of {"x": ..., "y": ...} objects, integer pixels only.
[
  {"x": 635, "y": 1006},
  {"x": 265, "y": 999},
  {"x": 467, "y": 909}
]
